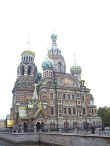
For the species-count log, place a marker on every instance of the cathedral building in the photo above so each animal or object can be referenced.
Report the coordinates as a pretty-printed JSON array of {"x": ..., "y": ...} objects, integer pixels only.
[{"x": 56, "y": 98}]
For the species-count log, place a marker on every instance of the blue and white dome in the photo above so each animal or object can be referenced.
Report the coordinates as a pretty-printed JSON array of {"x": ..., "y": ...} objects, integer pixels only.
[{"x": 47, "y": 64}]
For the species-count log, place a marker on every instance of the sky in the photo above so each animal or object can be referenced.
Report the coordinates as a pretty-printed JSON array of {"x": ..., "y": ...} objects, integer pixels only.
[{"x": 83, "y": 29}]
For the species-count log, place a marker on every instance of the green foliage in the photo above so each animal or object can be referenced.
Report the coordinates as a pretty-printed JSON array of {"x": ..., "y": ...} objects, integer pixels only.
[{"x": 104, "y": 113}]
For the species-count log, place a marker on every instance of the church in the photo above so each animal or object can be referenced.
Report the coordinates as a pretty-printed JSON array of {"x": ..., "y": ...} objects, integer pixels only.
[{"x": 56, "y": 98}]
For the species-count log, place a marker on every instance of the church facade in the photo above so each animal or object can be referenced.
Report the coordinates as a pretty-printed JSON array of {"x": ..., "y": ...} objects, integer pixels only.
[{"x": 55, "y": 97}]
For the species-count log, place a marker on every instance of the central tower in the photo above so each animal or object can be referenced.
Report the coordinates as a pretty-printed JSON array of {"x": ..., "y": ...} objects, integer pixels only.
[{"x": 55, "y": 55}]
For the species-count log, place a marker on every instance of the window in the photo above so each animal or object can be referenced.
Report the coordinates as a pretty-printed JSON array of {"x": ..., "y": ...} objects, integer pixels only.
[
  {"x": 83, "y": 98},
  {"x": 72, "y": 96},
  {"x": 59, "y": 67},
  {"x": 51, "y": 96},
  {"x": 74, "y": 110},
  {"x": 29, "y": 59},
  {"x": 92, "y": 111},
  {"x": 29, "y": 70},
  {"x": 22, "y": 70},
  {"x": 59, "y": 101},
  {"x": 64, "y": 110},
  {"x": 68, "y": 97},
  {"x": 69, "y": 111},
  {"x": 51, "y": 74},
  {"x": 26, "y": 58},
  {"x": 60, "y": 109},
  {"x": 64, "y": 96},
  {"x": 83, "y": 110},
  {"x": 78, "y": 102},
  {"x": 47, "y": 73},
  {"x": 52, "y": 110}
]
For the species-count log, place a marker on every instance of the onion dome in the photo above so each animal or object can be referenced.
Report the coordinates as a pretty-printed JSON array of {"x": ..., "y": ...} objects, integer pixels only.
[
  {"x": 47, "y": 64},
  {"x": 53, "y": 36},
  {"x": 28, "y": 56},
  {"x": 75, "y": 69}
]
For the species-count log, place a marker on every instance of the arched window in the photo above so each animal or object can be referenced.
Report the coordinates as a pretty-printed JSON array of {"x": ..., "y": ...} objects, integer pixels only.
[
  {"x": 59, "y": 67},
  {"x": 69, "y": 111},
  {"x": 51, "y": 96},
  {"x": 29, "y": 59},
  {"x": 74, "y": 111},
  {"x": 22, "y": 70},
  {"x": 52, "y": 110},
  {"x": 29, "y": 70},
  {"x": 26, "y": 58},
  {"x": 65, "y": 110}
]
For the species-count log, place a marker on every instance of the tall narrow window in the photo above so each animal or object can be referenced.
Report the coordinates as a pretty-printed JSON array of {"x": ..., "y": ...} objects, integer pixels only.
[
  {"x": 29, "y": 70},
  {"x": 64, "y": 96},
  {"x": 26, "y": 58},
  {"x": 64, "y": 110},
  {"x": 52, "y": 110},
  {"x": 51, "y": 96},
  {"x": 29, "y": 59},
  {"x": 22, "y": 70},
  {"x": 68, "y": 97},
  {"x": 69, "y": 111},
  {"x": 74, "y": 111},
  {"x": 73, "y": 97},
  {"x": 59, "y": 67},
  {"x": 84, "y": 111}
]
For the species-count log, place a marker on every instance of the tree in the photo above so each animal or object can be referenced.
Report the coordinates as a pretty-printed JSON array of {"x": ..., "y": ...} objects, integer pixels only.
[{"x": 104, "y": 113}]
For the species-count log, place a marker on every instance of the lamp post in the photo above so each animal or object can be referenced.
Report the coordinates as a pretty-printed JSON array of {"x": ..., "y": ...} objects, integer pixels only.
[{"x": 55, "y": 83}]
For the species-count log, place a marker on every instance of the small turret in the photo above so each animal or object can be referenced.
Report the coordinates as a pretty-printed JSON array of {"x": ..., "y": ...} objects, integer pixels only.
[
  {"x": 47, "y": 66},
  {"x": 76, "y": 74}
]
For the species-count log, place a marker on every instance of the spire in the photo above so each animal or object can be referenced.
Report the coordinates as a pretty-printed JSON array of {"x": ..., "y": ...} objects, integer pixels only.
[
  {"x": 35, "y": 95},
  {"x": 28, "y": 42},
  {"x": 54, "y": 38}
]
